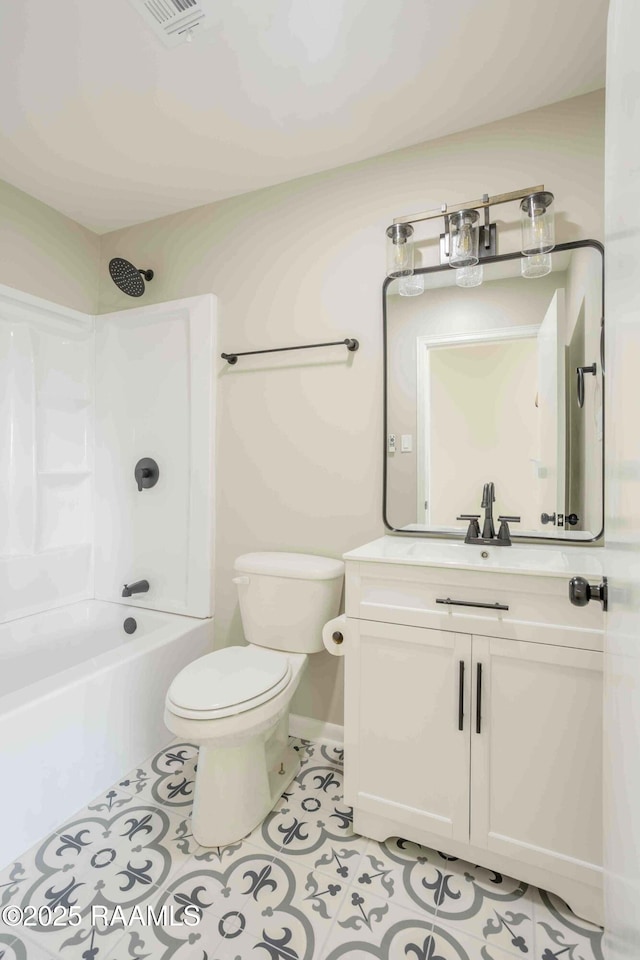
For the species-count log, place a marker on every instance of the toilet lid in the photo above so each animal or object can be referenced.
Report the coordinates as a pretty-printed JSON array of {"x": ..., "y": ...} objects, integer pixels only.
[{"x": 228, "y": 677}]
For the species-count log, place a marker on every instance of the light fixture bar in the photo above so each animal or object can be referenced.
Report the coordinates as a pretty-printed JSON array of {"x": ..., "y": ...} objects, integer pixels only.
[
  {"x": 486, "y": 233},
  {"x": 444, "y": 209}
]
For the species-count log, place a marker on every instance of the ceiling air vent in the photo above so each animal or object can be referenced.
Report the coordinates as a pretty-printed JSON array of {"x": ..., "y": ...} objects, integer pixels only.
[{"x": 176, "y": 21}]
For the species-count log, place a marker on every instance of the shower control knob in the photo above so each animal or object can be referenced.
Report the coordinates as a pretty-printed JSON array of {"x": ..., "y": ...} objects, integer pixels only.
[{"x": 146, "y": 473}]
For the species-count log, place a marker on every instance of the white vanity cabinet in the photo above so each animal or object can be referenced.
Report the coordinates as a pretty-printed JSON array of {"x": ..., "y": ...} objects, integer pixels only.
[
  {"x": 536, "y": 769},
  {"x": 477, "y": 729},
  {"x": 405, "y": 707}
]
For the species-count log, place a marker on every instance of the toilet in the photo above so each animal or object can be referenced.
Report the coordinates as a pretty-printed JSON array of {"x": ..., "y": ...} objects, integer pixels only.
[{"x": 234, "y": 703}]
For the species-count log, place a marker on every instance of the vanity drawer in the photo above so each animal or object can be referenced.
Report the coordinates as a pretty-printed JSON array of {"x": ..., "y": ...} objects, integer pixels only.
[{"x": 537, "y": 607}]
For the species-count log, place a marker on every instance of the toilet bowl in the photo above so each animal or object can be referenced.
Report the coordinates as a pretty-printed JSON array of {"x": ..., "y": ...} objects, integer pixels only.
[{"x": 234, "y": 703}]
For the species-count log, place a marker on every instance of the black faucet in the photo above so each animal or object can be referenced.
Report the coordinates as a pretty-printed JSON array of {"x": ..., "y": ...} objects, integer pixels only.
[
  {"x": 488, "y": 500},
  {"x": 140, "y": 586},
  {"x": 488, "y": 530}
]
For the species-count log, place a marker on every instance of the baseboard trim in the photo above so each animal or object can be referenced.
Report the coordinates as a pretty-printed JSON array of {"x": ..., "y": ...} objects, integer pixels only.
[{"x": 307, "y": 728}]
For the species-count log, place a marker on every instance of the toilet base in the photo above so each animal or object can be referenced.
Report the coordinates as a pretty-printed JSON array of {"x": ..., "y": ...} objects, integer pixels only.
[{"x": 237, "y": 785}]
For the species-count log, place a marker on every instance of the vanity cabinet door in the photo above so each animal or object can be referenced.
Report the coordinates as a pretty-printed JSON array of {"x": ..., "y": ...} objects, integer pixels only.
[
  {"x": 407, "y": 725},
  {"x": 536, "y": 748}
]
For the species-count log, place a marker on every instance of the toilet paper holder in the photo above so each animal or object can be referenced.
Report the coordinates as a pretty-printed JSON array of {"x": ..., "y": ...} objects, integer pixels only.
[{"x": 334, "y": 633}]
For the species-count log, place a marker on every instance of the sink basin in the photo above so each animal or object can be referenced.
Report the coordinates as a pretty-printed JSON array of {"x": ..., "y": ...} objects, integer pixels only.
[{"x": 531, "y": 559}]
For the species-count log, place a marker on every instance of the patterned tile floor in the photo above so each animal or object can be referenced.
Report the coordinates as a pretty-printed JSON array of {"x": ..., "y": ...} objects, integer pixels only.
[{"x": 302, "y": 886}]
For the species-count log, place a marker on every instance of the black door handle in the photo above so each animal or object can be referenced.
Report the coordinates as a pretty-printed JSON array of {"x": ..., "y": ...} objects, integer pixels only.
[
  {"x": 461, "y": 696},
  {"x": 592, "y": 369},
  {"x": 581, "y": 592}
]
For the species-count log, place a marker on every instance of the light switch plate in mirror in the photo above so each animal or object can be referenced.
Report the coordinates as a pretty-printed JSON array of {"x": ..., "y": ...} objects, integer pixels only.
[{"x": 486, "y": 379}]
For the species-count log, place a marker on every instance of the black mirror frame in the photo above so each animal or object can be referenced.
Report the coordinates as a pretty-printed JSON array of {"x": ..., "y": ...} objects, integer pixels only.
[{"x": 559, "y": 248}]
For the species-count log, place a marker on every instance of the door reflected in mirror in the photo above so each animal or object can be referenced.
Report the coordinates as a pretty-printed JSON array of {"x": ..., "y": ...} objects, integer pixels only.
[{"x": 482, "y": 385}]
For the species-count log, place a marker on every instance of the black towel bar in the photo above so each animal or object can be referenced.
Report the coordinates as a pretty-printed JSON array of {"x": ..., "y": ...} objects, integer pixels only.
[{"x": 351, "y": 345}]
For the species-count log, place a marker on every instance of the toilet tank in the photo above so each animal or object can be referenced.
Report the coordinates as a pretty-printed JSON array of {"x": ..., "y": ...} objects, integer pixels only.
[{"x": 286, "y": 598}]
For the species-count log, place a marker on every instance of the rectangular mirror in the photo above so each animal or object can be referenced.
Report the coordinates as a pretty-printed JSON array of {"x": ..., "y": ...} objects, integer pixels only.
[{"x": 482, "y": 384}]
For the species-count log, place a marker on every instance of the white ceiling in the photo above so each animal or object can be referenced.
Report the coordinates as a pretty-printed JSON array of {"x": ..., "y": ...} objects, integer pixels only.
[{"x": 102, "y": 122}]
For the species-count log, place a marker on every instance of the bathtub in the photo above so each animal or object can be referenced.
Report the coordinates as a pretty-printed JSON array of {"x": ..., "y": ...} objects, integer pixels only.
[{"x": 81, "y": 703}]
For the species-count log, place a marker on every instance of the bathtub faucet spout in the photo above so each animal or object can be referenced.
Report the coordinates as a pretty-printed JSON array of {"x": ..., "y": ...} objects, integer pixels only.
[{"x": 140, "y": 586}]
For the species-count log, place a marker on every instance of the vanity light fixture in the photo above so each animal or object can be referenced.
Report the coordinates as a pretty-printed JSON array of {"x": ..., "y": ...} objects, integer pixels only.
[
  {"x": 536, "y": 265},
  {"x": 399, "y": 250},
  {"x": 470, "y": 276},
  {"x": 537, "y": 222},
  {"x": 463, "y": 238},
  {"x": 411, "y": 286},
  {"x": 466, "y": 242}
]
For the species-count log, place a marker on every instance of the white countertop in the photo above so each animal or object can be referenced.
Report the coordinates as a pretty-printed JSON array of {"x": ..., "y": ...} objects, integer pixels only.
[{"x": 530, "y": 559}]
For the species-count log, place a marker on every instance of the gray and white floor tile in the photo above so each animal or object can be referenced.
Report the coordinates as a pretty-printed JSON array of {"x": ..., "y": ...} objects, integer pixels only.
[
  {"x": 560, "y": 935},
  {"x": 16, "y": 949},
  {"x": 488, "y": 905},
  {"x": 311, "y": 820},
  {"x": 331, "y": 753},
  {"x": 167, "y": 778},
  {"x": 301, "y": 886},
  {"x": 290, "y": 896},
  {"x": 372, "y": 926},
  {"x": 112, "y": 854}
]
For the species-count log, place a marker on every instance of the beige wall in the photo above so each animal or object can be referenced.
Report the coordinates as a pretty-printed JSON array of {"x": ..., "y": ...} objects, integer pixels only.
[
  {"x": 299, "y": 459},
  {"x": 46, "y": 254}
]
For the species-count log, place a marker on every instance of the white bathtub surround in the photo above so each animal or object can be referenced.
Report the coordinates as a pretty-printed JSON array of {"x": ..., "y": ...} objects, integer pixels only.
[
  {"x": 80, "y": 701},
  {"x": 46, "y": 454},
  {"x": 155, "y": 397},
  {"x": 152, "y": 372},
  {"x": 302, "y": 884},
  {"x": 235, "y": 702}
]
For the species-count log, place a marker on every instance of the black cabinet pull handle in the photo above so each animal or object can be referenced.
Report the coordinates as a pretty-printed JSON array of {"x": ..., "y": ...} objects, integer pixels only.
[
  {"x": 461, "y": 697},
  {"x": 472, "y": 603},
  {"x": 479, "y": 698}
]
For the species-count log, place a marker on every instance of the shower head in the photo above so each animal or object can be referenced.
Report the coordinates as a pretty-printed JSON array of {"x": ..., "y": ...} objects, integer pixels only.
[{"x": 128, "y": 277}]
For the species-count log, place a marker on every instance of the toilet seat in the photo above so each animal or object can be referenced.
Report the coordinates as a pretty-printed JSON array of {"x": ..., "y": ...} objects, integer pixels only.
[{"x": 228, "y": 682}]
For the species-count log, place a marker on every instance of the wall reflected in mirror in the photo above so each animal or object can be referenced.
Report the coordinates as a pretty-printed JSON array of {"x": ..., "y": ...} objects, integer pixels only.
[{"x": 482, "y": 386}]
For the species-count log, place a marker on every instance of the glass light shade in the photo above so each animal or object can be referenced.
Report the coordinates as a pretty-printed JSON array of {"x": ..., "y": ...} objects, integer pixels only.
[
  {"x": 470, "y": 276},
  {"x": 538, "y": 265},
  {"x": 463, "y": 238},
  {"x": 399, "y": 250},
  {"x": 537, "y": 221},
  {"x": 411, "y": 286}
]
